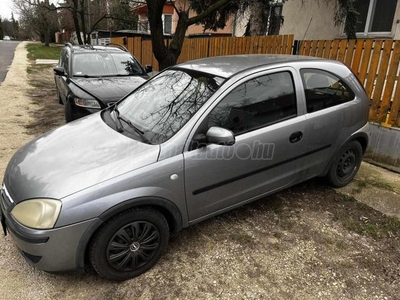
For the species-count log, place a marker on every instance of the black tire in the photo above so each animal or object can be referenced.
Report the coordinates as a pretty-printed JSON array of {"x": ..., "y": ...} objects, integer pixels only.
[
  {"x": 345, "y": 166},
  {"x": 129, "y": 244},
  {"x": 68, "y": 112}
]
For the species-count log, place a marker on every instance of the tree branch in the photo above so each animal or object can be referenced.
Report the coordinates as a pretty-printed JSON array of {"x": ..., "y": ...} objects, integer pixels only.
[
  {"x": 208, "y": 11},
  {"x": 105, "y": 16},
  {"x": 174, "y": 6}
]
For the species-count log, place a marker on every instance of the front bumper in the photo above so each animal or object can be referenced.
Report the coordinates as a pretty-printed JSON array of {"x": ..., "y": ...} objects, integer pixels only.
[{"x": 51, "y": 250}]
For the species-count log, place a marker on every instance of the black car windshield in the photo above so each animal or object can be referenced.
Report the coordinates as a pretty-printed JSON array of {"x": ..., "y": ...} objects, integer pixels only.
[
  {"x": 99, "y": 64},
  {"x": 164, "y": 104}
]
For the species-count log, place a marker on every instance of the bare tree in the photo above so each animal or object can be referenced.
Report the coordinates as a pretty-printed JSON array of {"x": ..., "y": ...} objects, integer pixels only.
[
  {"x": 40, "y": 17},
  {"x": 84, "y": 15},
  {"x": 81, "y": 16}
]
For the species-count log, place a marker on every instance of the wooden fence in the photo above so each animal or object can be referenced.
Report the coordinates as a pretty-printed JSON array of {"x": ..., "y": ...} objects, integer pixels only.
[
  {"x": 194, "y": 48},
  {"x": 375, "y": 62}
]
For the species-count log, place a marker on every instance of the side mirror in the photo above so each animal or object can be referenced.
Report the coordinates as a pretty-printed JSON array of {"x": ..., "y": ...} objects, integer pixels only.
[
  {"x": 220, "y": 136},
  {"x": 59, "y": 71},
  {"x": 148, "y": 69}
]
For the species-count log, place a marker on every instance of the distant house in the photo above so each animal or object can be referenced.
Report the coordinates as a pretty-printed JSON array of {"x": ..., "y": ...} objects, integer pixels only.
[
  {"x": 170, "y": 20},
  {"x": 63, "y": 37},
  {"x": 314, "y": 19}
]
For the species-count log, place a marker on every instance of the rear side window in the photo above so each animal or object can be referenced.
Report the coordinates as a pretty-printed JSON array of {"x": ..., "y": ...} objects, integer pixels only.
[
  {"x": 324, "y": 90},
  {"x": 256, "y": 103},
  {"x": 64, "y": 61}
]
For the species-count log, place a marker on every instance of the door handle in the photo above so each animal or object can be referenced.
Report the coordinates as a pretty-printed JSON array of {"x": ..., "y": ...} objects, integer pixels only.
[{"x": 296, "y": 137}]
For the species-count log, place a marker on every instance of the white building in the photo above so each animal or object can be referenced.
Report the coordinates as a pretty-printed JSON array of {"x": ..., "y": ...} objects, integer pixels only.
[{"x": 314, "y": 19}]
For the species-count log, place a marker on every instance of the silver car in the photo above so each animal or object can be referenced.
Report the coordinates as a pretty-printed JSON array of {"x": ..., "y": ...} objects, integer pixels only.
[{"x": 198, "y": 139}]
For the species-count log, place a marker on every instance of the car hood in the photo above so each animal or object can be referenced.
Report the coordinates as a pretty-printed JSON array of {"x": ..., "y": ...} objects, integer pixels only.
[
  {"x": 108, "y": 89},
  {"x": 74, "y": 157}
]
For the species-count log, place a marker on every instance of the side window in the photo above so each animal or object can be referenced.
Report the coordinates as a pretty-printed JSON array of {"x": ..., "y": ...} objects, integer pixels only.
[
  {"x": 64, "y": 61},
  {"x": 256, "y": 103},
  {"x": 324, "y": 90}
]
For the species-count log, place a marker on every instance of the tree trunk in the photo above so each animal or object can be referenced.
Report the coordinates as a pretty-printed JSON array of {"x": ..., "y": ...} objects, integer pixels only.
[
  {"x": 168, "y": 55},
  {"x": 258, "y": 23},
  {"x": 46, "y": 37},
  {"x": 74, "y": 13},
  {"x": 160, "y": 50},
  {"x": 175, "y": 46},
  {"x": 82, "y": 12}
]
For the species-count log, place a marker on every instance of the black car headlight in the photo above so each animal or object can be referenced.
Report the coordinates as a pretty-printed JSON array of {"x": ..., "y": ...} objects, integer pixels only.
[
  {"x": 37, "y": 213},
  {"x": 89, "y": 103}
]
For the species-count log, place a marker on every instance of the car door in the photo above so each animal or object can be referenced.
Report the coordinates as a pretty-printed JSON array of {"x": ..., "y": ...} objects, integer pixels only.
[{"x": 263, "y": 113}]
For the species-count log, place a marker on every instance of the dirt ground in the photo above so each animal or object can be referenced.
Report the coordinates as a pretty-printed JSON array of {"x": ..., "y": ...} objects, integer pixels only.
[{"x": 308, "y": 242}]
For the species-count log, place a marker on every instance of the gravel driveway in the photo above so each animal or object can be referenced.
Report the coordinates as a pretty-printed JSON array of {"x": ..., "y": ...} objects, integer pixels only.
[{"x": 308, "y": 242}]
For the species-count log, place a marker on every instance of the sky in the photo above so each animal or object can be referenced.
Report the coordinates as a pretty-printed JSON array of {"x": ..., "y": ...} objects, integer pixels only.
[{"x": 6, "y": 7}]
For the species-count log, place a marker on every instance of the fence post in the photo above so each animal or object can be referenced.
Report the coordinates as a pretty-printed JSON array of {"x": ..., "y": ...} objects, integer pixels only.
[
  {"x": 295, "y": 47},
  {"x": 209, "y": 45}
]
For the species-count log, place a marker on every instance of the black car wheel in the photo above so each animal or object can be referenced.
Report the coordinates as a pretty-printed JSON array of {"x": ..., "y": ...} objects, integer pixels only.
[
  {"x": 345, "y": 166},
  {"x": 129, "y": 244}
]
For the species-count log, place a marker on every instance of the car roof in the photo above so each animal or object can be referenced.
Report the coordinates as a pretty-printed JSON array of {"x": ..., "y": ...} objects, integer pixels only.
[{"x": 226, "y": 66}]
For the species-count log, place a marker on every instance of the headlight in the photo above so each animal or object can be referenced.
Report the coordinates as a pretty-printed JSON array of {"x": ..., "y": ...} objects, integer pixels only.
[
  {"x": 90, "y": 103},
  {"x": 37, "y": 213}
]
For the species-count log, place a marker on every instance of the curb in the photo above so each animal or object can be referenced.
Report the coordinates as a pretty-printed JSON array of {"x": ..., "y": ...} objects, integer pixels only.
[{"x": 46, "y": 61}]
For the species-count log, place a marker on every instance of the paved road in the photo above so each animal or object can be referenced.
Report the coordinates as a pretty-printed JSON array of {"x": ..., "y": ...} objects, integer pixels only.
[{"x": 7, "y": 49}]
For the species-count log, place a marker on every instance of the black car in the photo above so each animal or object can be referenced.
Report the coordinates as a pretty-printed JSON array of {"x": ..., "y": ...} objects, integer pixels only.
[{"x": 91, "y": 78}]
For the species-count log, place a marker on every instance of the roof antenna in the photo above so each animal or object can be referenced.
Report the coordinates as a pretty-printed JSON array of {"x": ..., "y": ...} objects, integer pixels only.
[{"x": 307, "y": 29}]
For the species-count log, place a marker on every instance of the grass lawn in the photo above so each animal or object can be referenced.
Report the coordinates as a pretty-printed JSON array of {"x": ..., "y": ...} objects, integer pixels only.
[{"x": 40, "y": 51}]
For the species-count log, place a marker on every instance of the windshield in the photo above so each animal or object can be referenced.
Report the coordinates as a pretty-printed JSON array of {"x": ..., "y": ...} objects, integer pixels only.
[
  {"x": 105, "y": 64},
  {"x": 165, "y": 103}
]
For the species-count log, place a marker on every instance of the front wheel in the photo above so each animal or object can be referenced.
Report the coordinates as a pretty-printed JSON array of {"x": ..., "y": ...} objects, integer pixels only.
[
  {"x": 129, "y": 244},
  {"x": 345, "y": 166}
]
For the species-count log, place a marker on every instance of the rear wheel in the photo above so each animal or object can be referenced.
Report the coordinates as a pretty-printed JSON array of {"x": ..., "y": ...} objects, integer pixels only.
[
  {"x": 346, "y": 164},
  {"x": 129, "y": 244}
]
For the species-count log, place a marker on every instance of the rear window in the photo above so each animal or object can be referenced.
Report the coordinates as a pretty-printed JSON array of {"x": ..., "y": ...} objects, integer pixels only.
[{"x": 324, "y": 90}]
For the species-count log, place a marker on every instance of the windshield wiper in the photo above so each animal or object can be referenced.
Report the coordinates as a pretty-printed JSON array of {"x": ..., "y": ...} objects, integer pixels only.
[
  {"x": 122, "y": 75},
  {"x": 120, "y": 128}
]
